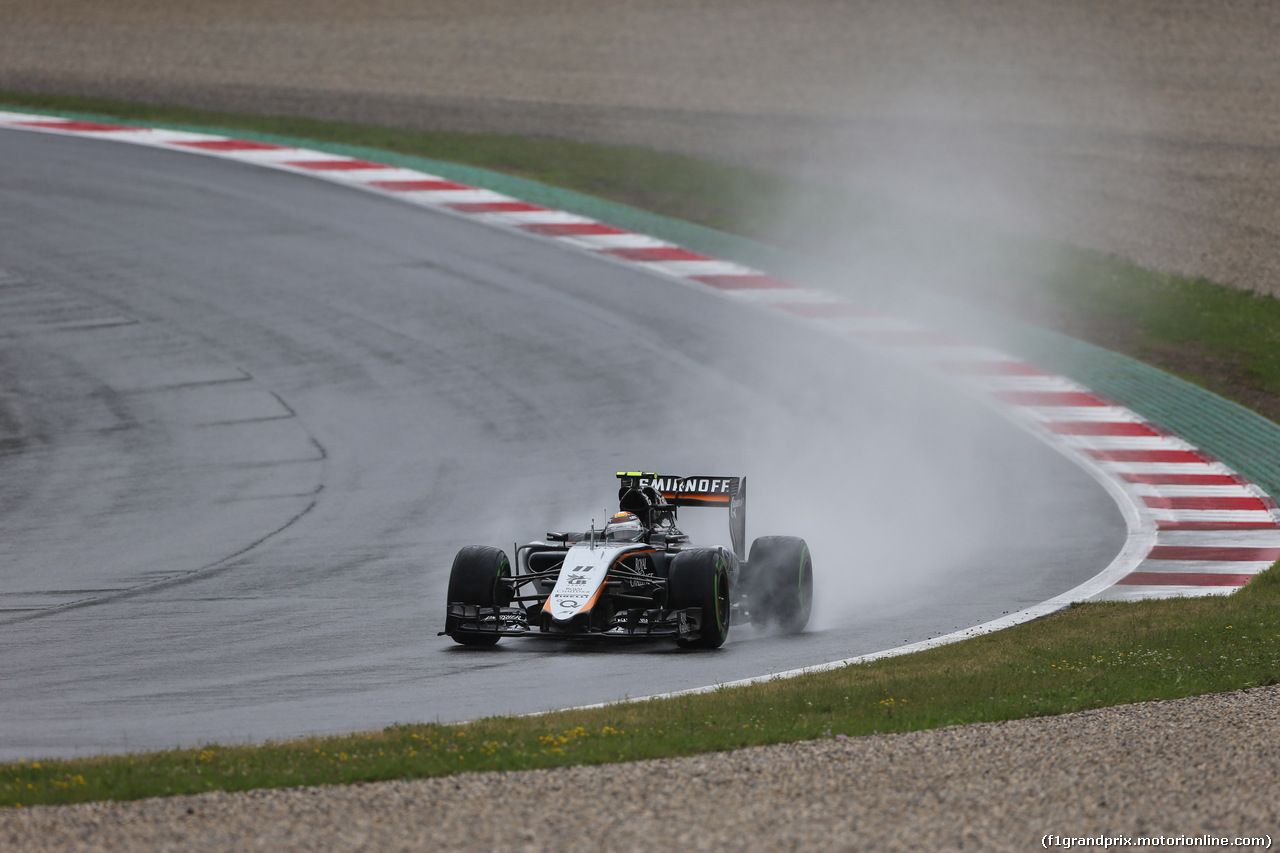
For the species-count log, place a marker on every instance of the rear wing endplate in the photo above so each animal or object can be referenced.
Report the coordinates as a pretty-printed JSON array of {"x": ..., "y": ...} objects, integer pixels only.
[{"x": 727, "y": 492}]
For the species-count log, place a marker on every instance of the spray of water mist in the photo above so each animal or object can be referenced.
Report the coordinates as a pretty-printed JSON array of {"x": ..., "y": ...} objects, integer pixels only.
[{"x": 897, "y": 481}]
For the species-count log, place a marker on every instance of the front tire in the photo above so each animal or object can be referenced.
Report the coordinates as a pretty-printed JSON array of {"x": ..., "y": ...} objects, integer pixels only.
[
  {"x": 700, "y": 578},
  {"x": 781, "y": 585},
  {"x": 474, "y": 581}
]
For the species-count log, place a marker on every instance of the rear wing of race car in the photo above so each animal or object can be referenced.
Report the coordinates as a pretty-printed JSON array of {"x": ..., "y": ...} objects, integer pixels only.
[{"x": 727, "y": 492}]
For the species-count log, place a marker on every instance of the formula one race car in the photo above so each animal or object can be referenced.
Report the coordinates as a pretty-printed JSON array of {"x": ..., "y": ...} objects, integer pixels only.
[{"x": 636, "y": 578}]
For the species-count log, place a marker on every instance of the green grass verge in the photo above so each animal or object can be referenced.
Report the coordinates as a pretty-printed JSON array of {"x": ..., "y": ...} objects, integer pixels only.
[
  {"x": 1089, "y": 656},
  {"x": 1221, "y": 338}
]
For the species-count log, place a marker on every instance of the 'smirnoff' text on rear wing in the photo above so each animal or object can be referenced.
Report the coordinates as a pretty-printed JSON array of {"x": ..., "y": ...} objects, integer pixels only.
[{"x": 727, "y": 492}]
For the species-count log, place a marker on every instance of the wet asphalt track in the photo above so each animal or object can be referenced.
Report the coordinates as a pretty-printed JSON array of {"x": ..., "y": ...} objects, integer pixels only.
[{"x": 247, "y": 417}]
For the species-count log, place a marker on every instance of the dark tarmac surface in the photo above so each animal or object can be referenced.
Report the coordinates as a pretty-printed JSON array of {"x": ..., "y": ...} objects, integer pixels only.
[{"x": 246, "y": 419}]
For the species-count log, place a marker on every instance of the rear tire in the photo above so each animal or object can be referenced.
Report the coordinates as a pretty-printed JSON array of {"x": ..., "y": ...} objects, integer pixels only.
[
  {"x": 781, "y": 582},
  {"x": 474, "y": 580},
  {"x": 700, "y": 578}
]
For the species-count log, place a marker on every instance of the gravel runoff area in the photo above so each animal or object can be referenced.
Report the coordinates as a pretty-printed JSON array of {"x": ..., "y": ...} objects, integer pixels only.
[
  {"x": 1146, "y": 128},
  {"x": 1191, "y": 767}
]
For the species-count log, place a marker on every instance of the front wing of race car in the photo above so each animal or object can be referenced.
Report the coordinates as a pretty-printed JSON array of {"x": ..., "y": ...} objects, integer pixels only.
[
  {"x": 655, "y": 623},
  {"x": 585, "y": 589}
]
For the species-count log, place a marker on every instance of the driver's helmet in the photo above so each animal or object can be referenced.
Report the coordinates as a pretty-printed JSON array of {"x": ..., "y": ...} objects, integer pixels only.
[{"x": 624, "y": 527}]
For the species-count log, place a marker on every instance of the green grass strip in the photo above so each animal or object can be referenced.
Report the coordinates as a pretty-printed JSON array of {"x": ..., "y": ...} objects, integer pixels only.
[{"x": 1089, "y": 656}]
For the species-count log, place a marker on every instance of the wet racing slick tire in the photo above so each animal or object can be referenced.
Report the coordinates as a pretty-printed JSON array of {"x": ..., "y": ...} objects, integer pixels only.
[
  {"x": 700, "y": 578},
  {"x": 474, "y": 580},
  {"x": 780, "y": 586}
]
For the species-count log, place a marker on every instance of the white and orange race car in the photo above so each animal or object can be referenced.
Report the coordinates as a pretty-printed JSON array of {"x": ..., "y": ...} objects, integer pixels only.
[{"x": 636, "y": 578}]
